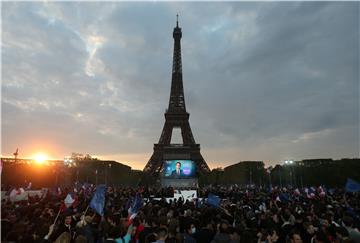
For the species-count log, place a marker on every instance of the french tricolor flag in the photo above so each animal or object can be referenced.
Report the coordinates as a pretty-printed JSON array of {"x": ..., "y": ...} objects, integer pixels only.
[{"x": 69, "y": 201}]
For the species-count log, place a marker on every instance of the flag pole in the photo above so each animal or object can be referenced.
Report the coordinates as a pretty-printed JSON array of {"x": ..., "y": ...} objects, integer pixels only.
[
  {"x": 84, "y": 214},
  {"x": 225, "y": 211},
  {"x": 86, "y": 209},
  {"x": 57, "y": 216}
]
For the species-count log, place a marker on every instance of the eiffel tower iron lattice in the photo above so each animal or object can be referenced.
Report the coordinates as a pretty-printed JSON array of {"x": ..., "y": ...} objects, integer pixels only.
[{"x": 176, "y": 117}]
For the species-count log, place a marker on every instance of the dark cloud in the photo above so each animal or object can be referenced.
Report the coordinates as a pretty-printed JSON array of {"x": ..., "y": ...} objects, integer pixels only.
[{"x": 268, "y": 81}]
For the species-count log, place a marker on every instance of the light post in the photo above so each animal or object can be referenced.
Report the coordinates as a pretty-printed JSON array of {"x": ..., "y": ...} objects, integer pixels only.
[
  {"x": 109, "y": 173},
  {"x": 290, "y": 163},
  {"x": 269, "y": 173},
  {"x": 57, "y": 175},
  {"x": 16, "y": 155},
  {"x": 105, "y": 175},
  {"x": 250, "y": 177}
]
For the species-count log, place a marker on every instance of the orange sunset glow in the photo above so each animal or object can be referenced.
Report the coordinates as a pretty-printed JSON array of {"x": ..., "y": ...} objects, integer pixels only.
[{"x": 40, "y": 158}]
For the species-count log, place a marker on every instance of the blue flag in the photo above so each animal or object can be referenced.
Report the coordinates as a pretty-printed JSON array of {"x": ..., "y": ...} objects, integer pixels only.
[
  {"x": 331, "y": 191},
  {"x": 98, "y": 201},
  {"x": 137, "y": 203},
  {"x": 133, "y": 210},
  {"x": 213, "y": 200},
  {"x": 352, "y": 186},
  {"x": 351, "y": 211},
  {"x": 128, "y": 204},
  {"x": 285, "y": 197}
]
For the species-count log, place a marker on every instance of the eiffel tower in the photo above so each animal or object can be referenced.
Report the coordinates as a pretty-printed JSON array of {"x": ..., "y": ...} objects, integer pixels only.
[{"x": 176, "y": 117}]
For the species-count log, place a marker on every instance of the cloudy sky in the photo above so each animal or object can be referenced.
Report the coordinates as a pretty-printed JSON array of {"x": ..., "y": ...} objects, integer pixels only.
[{"x": 263, "y": 81}]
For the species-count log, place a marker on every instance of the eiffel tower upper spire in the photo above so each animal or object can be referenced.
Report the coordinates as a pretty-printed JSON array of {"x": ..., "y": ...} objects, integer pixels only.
[{"x": 177, "y": 100}]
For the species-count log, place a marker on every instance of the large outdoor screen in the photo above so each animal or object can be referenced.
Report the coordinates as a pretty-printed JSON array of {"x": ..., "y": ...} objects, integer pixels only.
[{"x": 179, "y": 169}]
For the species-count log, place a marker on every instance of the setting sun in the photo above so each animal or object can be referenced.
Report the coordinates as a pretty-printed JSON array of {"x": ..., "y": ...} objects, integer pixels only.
[{"x": 40, "y": 158}]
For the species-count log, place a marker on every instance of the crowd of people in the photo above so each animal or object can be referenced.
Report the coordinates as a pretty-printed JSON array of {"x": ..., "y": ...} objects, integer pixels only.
[{"x": 244, "y": 214}]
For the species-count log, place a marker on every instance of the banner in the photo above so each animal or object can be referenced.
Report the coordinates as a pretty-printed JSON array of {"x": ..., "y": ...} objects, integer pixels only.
[{"x": 185, "y": 194}]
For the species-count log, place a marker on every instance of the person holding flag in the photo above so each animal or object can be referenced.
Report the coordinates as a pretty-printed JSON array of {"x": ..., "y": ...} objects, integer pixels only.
[
  {"x": 68, "y": 226},
  {"x": 28, "y": 187},
  {"x": 215, "y": 201}
]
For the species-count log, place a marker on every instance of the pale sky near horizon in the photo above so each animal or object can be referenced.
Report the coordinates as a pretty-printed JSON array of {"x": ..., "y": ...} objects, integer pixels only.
[{"x": 266, "y": 81}]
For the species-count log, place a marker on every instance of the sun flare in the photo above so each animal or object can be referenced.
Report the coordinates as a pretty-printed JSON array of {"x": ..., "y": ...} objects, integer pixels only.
[{"x": 40, "y": 158}]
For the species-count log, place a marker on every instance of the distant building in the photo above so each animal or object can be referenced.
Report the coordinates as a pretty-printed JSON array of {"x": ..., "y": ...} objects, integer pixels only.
[
  {"x": 246, "y": 164},
  {"x": 314, "y": 162},
  {"x": 245, "y": 172},
  {"x": 28, "y": 161},
  {"x": 59, "y": 172}
]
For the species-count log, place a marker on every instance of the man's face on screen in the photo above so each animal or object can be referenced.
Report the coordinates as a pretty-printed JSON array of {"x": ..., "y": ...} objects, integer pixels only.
[{"x": 178, "y": 165}]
